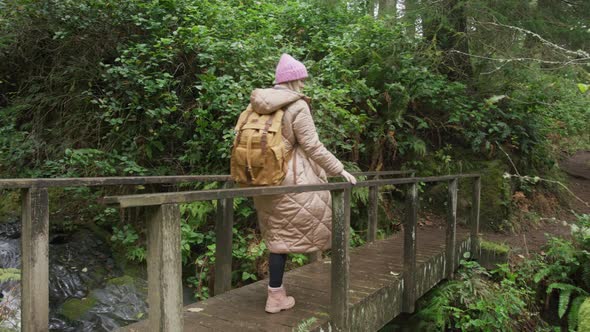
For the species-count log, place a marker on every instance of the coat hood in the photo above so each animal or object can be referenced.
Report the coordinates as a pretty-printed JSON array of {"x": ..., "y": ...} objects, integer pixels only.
[{"x": 266, "y": 101}]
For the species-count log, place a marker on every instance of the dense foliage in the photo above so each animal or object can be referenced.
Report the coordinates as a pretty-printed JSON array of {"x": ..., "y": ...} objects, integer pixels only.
[
  {"x": 553, "y": 284},
  {"x": 103, "y": 87}
]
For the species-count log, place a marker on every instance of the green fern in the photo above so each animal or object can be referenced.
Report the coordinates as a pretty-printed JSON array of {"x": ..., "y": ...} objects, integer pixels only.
[
  {"x": 584, "y": 316},
  {"x": 305, "y": 325},
  {"x": 544, "y": 272},
  {"x": 565, "y": 292},
  {"x": 572, "y": 318},
  {"x": 586, "y": 274},
  {"x": 9, "y": 274}
]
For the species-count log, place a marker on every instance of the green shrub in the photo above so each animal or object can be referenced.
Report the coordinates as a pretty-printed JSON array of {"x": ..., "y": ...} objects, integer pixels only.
[{"x": 473, "y": 302}]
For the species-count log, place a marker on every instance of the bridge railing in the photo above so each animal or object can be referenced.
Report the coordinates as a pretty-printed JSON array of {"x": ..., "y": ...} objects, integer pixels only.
[
  {"x": 164, "y": 259},
  {"x": 35, "y": 234}
]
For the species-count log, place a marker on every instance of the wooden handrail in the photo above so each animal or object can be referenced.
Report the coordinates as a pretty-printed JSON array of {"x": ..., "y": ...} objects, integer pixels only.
[
  {"x": 138, "y": 180},
  {"x": 340, "y": 232},
  {"x": 204, "y": 195},
  {"x": 106, "y": 181},
  {"x": 164, "y": 289}
]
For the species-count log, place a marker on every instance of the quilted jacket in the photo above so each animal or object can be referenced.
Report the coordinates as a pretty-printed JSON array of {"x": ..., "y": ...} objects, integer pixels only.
[{"x": 301, "y": 222}]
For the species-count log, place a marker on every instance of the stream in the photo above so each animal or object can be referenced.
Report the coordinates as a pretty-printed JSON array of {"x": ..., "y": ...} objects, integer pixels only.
[{"x": 88, "y": 289}]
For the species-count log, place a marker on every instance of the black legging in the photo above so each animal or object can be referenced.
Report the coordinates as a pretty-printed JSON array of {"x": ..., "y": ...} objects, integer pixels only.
[{"x": 276, "y": 269}]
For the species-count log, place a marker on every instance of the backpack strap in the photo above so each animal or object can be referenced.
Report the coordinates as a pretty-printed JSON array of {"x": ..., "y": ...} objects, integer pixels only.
[
  {"x": 249, "y": 171},
  {"x": 242, "y": 125},
  {"x": 263, "y": 139}
]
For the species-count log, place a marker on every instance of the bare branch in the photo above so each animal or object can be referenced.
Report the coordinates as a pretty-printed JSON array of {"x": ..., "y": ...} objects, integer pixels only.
[
  {"x": 578, "y": 53},
  {"x": 579, "y": 61}
]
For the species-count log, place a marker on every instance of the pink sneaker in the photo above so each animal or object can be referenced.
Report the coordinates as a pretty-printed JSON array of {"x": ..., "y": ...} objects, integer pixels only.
[{"x": 278, "y": 300}]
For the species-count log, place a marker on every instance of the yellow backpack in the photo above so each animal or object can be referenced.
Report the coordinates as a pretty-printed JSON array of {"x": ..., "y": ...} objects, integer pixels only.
[{"x": 258, "y": 156}]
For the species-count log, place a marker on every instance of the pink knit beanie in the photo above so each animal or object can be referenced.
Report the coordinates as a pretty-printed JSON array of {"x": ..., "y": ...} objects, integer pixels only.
[{"x": 289, "y": 69}]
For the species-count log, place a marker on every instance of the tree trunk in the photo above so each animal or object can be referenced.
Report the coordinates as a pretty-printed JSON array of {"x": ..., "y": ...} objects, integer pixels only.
[
  {"x": 411, "y": 16},
  {"x": 387, "y": 7},
  {"x": 450, "y": 35}
]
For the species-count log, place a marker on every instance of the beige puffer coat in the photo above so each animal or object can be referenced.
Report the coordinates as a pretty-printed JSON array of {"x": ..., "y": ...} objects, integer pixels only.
[{"x": 302, "y": 222}]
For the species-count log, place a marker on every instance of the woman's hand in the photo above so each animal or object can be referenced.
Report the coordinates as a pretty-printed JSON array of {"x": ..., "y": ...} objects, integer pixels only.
[{"x": 348, "y": 177}]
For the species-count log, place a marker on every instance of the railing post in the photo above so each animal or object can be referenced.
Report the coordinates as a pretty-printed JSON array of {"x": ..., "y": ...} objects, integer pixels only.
[
  {"x": 451, "y": 233},
  {"x": 314, "y": 256},
  {"x": 373, "y": 213},
  {"x": 164, "y": 269},
  {"x": 475, "y": 206},
  {"x": 340, "y": 259},
  {"x": 223, "y": 244},
  {"x": 35, "y": 260},
  {"x": 409, "y": 296}
]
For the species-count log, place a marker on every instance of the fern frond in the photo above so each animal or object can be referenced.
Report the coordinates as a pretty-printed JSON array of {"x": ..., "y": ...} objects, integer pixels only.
[
  {"x": 541, "y": 275},
  {"x": 584, "y": 316},
  {"x": 564, "y": 301},
  {"x": 9, "y": 274},
  {"x": 565, "y": 287},
  {"x": 572, "y": 317},
  {"x": 586, "y": 275},
  {"x": 565, "y": 292}
]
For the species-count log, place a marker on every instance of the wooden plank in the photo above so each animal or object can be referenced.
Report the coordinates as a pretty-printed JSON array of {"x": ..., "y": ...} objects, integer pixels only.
[
  {"x": 191, "y": 196},
  {"x": 358, "y": 289},
  {"x": 315, "y": 256},
  {"x": 107, "y": 181},
  {"x": 35, "y": 260},
  {"x": 374, "y": 297},
  {"x": 247, "y": 304},
  {"x": 382, "y": 173},
  {"x": 373, "y": 213},
  {"x": 475, "y": 208},
  {"x": 340, "y": 259},
  {"x": 451, "y": 230},
  {"x": 194, "y": 322},
  {"x": 136, "y": 180},
  {"x": 223, "y": 247},
  {"x": 207, "y": 195},
  {"x": 164, "y": 269},
  {"x": 409, "y": 296}
]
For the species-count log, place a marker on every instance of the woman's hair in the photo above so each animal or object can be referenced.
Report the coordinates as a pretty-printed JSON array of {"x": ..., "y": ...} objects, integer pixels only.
[{"x": 293, "y": 85}]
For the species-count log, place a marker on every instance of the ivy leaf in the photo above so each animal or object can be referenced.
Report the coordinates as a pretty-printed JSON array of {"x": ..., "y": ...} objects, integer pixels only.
[{"x": 494, "y": 99}]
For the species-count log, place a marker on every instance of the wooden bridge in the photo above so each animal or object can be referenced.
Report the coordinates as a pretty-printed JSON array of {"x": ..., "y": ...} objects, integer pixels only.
[{"x": 358, "y": 289}]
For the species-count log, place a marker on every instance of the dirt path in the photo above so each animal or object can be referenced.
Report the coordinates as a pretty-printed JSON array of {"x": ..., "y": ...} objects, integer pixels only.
[{"x": 578, "y": 169}]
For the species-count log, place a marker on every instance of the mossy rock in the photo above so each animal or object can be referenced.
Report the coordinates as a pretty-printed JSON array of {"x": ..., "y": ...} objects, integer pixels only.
[
  {"x": 129, "y": 268},
  {"x": 498, "y": 248},
  {"x": 120, "y": 281},
  {"x": 74, "y": 309},
  {"x": 100, "y": 232},
  {"x": 9, "y": 205},
  {"x": 584, "y": 316},
  {"x": 138, "y": 283},
  {"x": 496, "y": 194}
]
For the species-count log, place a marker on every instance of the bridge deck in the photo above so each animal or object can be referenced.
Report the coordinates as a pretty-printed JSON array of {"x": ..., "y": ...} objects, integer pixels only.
[{"x": 376, "y": 288}]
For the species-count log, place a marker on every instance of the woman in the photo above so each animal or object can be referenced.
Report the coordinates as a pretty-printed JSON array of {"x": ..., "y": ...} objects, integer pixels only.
[{"x": 294, "y": 223}]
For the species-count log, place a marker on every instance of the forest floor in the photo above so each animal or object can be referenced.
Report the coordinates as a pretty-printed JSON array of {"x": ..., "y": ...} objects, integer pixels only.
[
  {"x": 555, "y": 217},
  {"x": 532, "y": 239}
]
